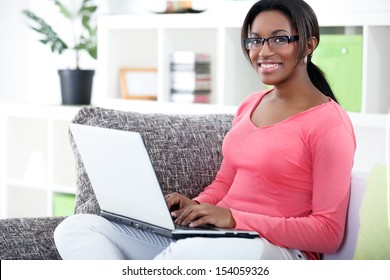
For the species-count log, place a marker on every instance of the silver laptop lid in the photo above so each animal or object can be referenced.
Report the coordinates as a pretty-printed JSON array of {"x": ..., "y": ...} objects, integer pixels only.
[{"x": 121, "y": 174}]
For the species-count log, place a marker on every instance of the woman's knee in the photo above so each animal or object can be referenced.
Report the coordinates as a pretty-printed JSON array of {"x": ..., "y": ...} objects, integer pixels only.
[
  {"x": 179, "y": 250},
  {"x": 74, "y": 224}
]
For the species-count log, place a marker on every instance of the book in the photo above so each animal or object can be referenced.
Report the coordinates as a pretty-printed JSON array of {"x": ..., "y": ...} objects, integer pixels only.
[{"x": 190, "y": 77}]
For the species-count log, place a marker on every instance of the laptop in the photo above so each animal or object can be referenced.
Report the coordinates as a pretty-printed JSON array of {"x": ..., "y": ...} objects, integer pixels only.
[{"x": 126, "y": 186}]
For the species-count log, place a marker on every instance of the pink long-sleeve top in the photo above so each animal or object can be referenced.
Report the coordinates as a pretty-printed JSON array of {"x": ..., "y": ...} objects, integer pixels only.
[{"x": 289, "y": 181}]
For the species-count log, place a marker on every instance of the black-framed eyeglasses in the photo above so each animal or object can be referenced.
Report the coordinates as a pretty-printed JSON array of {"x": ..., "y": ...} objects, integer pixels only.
[{"x": 273, "y": 42}]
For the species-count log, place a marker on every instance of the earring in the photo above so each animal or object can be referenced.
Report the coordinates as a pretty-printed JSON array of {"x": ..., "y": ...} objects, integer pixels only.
[{"x": 305, "y": 60}]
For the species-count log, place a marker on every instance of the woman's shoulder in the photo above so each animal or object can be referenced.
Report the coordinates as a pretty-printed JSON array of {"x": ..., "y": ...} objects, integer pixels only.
[
  {"x": 334, "y": 115},
  {"x": 328, "y": 117}
]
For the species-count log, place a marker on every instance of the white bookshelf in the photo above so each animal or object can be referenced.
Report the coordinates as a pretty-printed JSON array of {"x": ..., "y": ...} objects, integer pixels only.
[
  {"x": 36, "y": 158},
  {"x": 148, "y": 40}
]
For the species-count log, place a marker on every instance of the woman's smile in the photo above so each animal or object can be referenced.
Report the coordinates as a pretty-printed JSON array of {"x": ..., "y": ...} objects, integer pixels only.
[{"x": 267, "y": 67}]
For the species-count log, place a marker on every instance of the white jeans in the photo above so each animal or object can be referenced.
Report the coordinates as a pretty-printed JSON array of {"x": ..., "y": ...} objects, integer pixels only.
[{"x": 85, "y": 236}]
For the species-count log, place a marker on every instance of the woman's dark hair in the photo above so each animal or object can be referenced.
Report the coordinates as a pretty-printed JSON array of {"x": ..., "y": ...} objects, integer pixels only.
[{"x": 304, "y": 21}]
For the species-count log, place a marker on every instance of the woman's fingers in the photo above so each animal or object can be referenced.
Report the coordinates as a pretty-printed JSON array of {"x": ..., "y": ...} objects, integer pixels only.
[
  {"x": 175, "y": 199},
  {"x": 203, "y": 214},
  {"x": 177, "y": 203},
  {"x": 189, "y": 214},
  {"x": 200, "y": 222},
  {"x": 171, "y": 200}
]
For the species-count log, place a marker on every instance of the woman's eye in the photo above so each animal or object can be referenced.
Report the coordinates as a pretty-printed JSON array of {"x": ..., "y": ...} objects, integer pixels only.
[{"x": 280, "y": 40}]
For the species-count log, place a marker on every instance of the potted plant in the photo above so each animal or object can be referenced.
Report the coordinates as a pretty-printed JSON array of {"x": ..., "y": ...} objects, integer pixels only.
[{"x": 76, "y": 84}]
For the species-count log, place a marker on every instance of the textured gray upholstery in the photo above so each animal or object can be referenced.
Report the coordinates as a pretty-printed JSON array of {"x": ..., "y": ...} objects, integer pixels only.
[
  {"x": 28, "y": 238},
  {"x": 185, "y": 151}
]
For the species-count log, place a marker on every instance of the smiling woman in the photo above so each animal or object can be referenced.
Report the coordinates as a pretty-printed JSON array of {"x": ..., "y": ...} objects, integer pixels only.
[{"x": 282, "y": 174}]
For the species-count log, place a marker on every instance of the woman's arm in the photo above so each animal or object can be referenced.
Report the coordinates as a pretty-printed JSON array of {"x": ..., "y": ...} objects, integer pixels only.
[{"x": 219, "y": 187}]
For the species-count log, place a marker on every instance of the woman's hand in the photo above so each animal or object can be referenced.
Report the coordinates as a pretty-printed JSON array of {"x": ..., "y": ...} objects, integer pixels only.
[
  {"x": 177, "y": 202},
  {"x": 205, "y": 214}
]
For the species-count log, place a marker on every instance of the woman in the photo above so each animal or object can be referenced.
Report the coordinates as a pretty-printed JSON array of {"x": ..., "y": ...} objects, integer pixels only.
[{"x": 286, "y": 168}]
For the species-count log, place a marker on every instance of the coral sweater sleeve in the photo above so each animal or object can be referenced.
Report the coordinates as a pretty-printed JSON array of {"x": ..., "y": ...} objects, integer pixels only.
[{"x": 289, "y": 181}]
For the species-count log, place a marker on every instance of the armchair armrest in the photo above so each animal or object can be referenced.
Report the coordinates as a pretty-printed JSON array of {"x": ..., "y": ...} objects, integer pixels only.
[{"x": 28, "y": 238}]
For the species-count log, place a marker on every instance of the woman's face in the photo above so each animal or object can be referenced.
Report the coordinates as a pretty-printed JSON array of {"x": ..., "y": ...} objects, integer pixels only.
[{"x": 276, "y": 64}]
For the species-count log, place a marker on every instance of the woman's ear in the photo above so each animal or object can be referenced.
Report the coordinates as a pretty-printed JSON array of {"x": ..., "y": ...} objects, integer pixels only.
[{"x": 311, "y": 46}]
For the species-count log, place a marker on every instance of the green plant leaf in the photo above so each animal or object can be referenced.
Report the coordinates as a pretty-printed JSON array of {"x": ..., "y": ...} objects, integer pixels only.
[
  {"x": 50, "y": 36},
  {"x": 85, "y": 22},
  {"x": 63, "y": 10},
  {"x": 88, "y": 44},
  {"x": 87, "y": 8},
  {"x": 85, "y": 39}
]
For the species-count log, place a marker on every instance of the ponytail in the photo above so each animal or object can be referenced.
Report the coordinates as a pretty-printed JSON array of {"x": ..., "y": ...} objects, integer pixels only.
[{"x": 317, "y": 77}]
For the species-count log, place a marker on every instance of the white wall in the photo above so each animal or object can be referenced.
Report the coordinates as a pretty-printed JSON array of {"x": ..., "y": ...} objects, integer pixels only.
[{"x": 13, "y": 51}]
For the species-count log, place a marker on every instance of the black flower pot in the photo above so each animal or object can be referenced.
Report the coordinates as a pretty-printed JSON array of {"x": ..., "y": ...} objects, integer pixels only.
[{"x": 76, "y": 86}]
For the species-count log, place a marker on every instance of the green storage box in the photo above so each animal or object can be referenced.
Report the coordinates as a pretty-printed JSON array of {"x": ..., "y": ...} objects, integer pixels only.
[
  {"x": 340, "y": 58},
  {"x": 63, "y": 204}
]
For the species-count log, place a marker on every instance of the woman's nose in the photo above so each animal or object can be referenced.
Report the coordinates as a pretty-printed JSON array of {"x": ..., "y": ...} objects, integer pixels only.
[{"x": 265, "y": 50}]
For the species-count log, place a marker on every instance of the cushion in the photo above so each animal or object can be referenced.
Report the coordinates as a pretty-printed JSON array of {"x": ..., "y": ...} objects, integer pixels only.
[
  {"x": 185, "y": 149},
  {"x": 348, "y": 245},
  {"x": 374, "y": 234}
]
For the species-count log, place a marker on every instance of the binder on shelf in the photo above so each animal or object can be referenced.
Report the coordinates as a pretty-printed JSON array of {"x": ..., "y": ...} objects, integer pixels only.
[
  {"x": 63, "y": 204},
  {"x": 190, "y": 77},
  {"x": 341, "y": 59}
]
